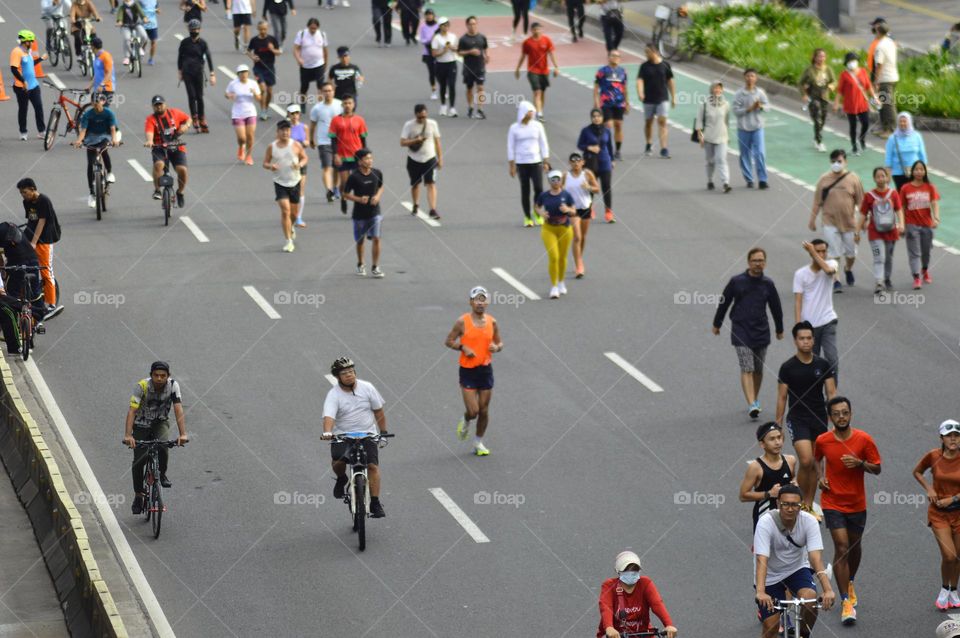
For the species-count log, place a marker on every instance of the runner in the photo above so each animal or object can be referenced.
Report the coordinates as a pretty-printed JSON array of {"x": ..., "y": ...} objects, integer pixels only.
[
  {"x": 310, "y": 51},
  {"x": 285, "y": 158},
  {"x": 346, "y": 77},
  {"x": 626, "y": 601},
  {"x": 943, "y": 513},
  {"x": 767, "y": 473},
  {"x": 193, "y": 10},
  {"x": 443, "y": 47},
  {"x": 536, "y": 50},
  {"x": 883, "y": 207},
  {"x": 191, "y": 56},
  {"x": 581, "y": 183},
  {"x": 277, "y": 11},
  {"x": 805, "y": 378},
  {"x": 556, "y": 205},
  {"x": 298, "y": 133},
  {"x": 348, "y": 134},
  {"x": 364, "y": 188},
  {"x": 421, "y": 137},
  {"x": 476, "y": 335},
  {"x": 658, "y": 92},
  {"x": 922, "y": 206},
  {"x": 528, "y": 152},
  {"x": 242, "y": 12},
  {"x": 263, "y": 49},
  {"x": 244, "y": 93},
  {"x": 473, "y": 49},
  {"x": 610, "y": 95},
  {"x": 839, "y": 194},
  {"x": 845, "y": 454},
  {"x": 151, "y": 26},
  {"x": 596, "y": 144},
  {"x": 427, "y": 30},
  {"x": 813, "y": 302},
  {"x": 321, "y": 115}
]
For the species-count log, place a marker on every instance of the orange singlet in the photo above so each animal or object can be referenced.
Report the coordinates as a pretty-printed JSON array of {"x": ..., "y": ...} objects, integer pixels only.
[{"x": 478, "y": 340}]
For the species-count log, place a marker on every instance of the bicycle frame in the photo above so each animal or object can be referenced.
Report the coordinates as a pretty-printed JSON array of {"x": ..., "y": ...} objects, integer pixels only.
[
  {"x": 26, "y": 322},
  {"x": 73, "y": 122},
  {"x": 792, "y": 610}
]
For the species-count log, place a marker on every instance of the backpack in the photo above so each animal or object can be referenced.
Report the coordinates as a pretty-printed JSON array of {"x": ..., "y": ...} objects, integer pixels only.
[{"x": 881, "y": 210}]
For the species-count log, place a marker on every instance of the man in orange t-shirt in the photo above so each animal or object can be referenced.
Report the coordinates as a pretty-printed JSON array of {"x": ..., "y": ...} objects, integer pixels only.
[
  {"x": 845, "y": 454},
  {"x": 536, "y": 49},
  {"x": 477, "y": 336}
]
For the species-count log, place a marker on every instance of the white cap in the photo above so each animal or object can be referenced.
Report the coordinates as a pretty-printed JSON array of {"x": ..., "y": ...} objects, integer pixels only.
[
  {"x": 949, "y": 426},
  {"x": 443, "y": 20},
  {"x": 293, "y": 108},
  {"x": 949, "y": 629},
  {"x": 476, "y": 291},
  {"x": 625, "y": 559},
  {"x": 554, "y": 174},
  {"x": 242, "y": 67}
]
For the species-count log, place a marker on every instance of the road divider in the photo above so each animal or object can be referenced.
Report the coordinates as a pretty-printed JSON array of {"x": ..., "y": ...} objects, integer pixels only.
[
  {"x": 260, "y": 301},
  {"x": 459, "y": 515},
  {"x": 513, "y": 281},
  {"x": 422, "y": 216},
  {"x": 628, "y": 367},
  {"x": 141, "y": 171},
  {"x": 193, "y": 228}
]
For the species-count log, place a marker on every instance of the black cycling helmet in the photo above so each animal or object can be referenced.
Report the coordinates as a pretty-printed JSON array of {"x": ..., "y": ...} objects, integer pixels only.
[
  {"x": 9, "y": 233},
  {"x": 159, "y": 365},
  {"x": 194, "y": 25},
  {"x": 341, "y": 364},
  {"x": 157, "y": 99}
]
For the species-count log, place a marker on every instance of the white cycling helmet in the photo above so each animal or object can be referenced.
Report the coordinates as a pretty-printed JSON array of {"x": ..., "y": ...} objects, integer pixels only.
[
  {"x": 949, "y": 629},
  {"x": 625, "y": 559}
]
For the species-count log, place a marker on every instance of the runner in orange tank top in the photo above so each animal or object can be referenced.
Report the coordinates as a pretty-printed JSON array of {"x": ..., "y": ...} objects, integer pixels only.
[{"x": 477, "y": 336}]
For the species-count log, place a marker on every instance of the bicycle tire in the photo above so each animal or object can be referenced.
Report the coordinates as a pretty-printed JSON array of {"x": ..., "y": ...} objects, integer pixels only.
[
  {"x": 156, "y": 500},
  {"x": 50, "y": 135},
  {"x": 148, "y": 474},
  {"x": 139, "y": 67},
  {"x": 98, "y": 194},
  {"x": 360, "y": 511},
  {"x": 674, "y": 42},
  {"x": 658, "y": 39},
  {"x": 54, "y": 50},
  {"x": 166, "y": 203},
  {"x": 25, "y": 340},
  {"x": 66, "y": 50}
]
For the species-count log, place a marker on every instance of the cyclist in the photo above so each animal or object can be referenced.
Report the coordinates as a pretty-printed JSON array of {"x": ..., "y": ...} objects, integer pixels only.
[
  {"x": 788, "y": 547},
  {"x": 766, "y": 474},
  {"x": 80, "y": 11},
  {"x": 190, "y": 58},
  {"x": 17, "y": 251},
  {"x": 52, "y": 12},
  {"x": 104, "y": 75},
  {"x": 163, "y": 129},
  {"x": 354, "y": 405},
  {"x": 149, "y": 418},
  {"x": 130, "y": 17},
  {"x": 626, "y": 601},
  {"x": 98, "y": 128}
]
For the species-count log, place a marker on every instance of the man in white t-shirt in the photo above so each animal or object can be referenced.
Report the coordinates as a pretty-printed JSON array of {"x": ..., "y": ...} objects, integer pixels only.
[
  {"x": 813, "y": 301},
  {"x": 354, "y": 405},
  {"x": 421, "y": 138},
  {"x": 788, "y": 550},
  {"x": 310, "y": 50},
  {"x": 320, "y": 117},
  {"x": 242, "y": 12},
  {"x": 886, "y": 74}
]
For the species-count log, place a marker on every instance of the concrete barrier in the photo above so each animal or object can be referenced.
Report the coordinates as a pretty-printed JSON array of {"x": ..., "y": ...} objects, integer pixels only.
[{"x": 87, "y": 605}]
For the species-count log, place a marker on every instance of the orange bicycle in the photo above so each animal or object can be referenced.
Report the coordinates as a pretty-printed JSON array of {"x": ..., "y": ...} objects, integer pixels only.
[{"x": 60, "y": 106}]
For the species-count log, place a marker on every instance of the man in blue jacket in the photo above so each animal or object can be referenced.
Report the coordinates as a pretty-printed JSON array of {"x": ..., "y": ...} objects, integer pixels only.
[{"x": 750, "y": 293}]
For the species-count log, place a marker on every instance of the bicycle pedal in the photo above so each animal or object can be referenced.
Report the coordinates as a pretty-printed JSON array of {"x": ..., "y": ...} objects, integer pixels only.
[{"x": 40, "y": 329}]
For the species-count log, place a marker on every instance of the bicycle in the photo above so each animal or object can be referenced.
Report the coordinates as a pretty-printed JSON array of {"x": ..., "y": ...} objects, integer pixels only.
[
  {"x": 668, "y": 28},
  {"x": 85, "y": 59},
  {"x": 136, "y": 56},
  {"x": 166, "y": 180},
  {"x": 60, "y": 46},
  {"x": 653, "y": 633},
  {"x": 101, "y": 187},
  {"x": 60, "y": 106},
  {"x": 26, "y": 325},
  {"x": 56, "y": 283},
  {"x": 357, "y": 492},
  {"x": 153, "y": 508},
  {"x": 791, "y": 614}
]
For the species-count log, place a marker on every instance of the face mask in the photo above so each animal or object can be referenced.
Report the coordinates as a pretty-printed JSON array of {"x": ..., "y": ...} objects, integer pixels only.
[
  {"x": 629, "y": 578},
  {"x": 836, "y": 167},
  {"x": 852, "y": 65}
]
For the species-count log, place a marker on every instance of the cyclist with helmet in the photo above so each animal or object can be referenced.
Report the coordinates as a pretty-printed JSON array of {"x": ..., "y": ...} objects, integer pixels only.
[
  {"x": 17, "y": 251},
  {"x": 149, "y": 418},
  {"x": 98, "y": 129},
  {"x": 626, "y": 601},
  {"x": 354, "y": 405},
  {"x": 25, "y": 84},
  {"x": 191, "y": 55},
  {"x": 104, "y": 74},
  {"x": 163, "y": 128}
]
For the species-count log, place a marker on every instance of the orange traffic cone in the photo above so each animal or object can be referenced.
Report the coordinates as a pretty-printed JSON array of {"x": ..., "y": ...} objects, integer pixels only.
[
  {"x": 35, "y": 50},
  {"x": 3, "y": 94}
]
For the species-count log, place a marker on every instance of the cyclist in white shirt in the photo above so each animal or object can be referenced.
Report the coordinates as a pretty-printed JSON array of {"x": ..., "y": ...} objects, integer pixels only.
[
  {"x": 320, "y": 116},
  {"x": 354, "y": 405},
  {"x": 245, "y": 93},
  {"x": 53, "y": 12}
]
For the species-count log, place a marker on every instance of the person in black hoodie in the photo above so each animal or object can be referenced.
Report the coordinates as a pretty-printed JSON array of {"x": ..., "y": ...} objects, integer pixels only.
[
  {"x": 276, "y": 10},
  {"x": 190, "y": 58},
  {"x": 17, "y": 251}
]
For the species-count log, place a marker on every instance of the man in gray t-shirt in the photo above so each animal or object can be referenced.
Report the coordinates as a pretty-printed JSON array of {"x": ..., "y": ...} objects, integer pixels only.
[
  {"x": 749, "y": 105},
  {"x": 421, "y": 137}
]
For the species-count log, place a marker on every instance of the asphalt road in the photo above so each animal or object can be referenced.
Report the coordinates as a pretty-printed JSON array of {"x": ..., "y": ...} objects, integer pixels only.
[{"x": 586, "y": 461}]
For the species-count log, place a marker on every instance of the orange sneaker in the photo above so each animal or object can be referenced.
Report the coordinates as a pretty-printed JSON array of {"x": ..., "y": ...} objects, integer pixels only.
[
  {"x": 608, "y": 217},
  {"x": 249, "y": 160},
  {"x": 240, "y": 154}
]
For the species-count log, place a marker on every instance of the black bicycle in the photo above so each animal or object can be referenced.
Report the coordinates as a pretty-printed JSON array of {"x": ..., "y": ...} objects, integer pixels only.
[
  {"x": 59, "y": 45},
  {"x": 85, "y": 59},
  {"x": 653, "y": 633},
  {"x": 670, "y": 23},
  {"x": 101, "y": 187},
  {"x": 357, "y": 492},
  {"x": 26, "y": 323},
  {"x": 153, "y": 507},
  {"x": 166, "y": 180},
  {"x": 136, "y": 52}
]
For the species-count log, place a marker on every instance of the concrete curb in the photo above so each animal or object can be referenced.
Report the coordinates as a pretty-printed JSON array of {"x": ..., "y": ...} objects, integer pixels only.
[{"x": 87, "y": 605}]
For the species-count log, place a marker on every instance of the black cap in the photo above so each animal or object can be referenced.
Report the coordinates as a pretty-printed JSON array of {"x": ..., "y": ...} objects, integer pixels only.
[
  {"x": 157, "y": 99},
  {"x": 767, "y": 428},
  {"x": 877, "y": 21},
  {"x": 342, "y": 51},
  {"x": 430, "y": 11},
  {"x": 575, "y": 156}
]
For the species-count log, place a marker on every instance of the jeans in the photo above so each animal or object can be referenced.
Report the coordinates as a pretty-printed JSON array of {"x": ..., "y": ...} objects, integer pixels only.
[
  {"x": 447, "y": 78},
  {"x": 882, "y": 259},
  {"x": 864, "y": 119},
  {"x": 818, "y": 113},
  {"x": 529, "y": 175},
  {"x": 278, "y": 24},
  {"x": 612, "y": 31},
  {"x": 919, "y": 242},
  {"x": 381, "y": 22},
  {"x": 825, "y": 340},
  {"x": 752, "y": 150},
  {"x": 24, "y": 99},
  {"x": 887, "y": 92},
  {"x": 717, "y": 161}
]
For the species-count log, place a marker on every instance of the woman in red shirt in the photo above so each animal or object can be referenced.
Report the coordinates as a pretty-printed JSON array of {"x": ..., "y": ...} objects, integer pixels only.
[
  {"x": 626, "y": 601},
  {"x": 853, "y": 87},
  {"x": 879, "y": 203},
  {"x": 922, "y": 215}
]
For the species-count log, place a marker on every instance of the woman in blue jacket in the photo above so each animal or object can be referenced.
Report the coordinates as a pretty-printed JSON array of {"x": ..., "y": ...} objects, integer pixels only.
[
  {"x": 904, "y": 148},
  {"x": 596, "y": 144}
]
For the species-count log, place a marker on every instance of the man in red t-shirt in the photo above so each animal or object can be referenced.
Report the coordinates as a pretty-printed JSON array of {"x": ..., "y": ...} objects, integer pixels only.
[
  {"x": 348, "y": 134},
  {"x": 634, "y": 595},
  {"x": 163, "y": 126},
  {"x": 536, "y": 49},
  {"x": 845, "y": 454}
]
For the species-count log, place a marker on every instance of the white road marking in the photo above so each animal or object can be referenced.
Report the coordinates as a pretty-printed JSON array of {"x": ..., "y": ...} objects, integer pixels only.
[
  {"x": 2, "y": 20},
  {"x": 278, "y": 109},
  {"x": 56, "y": 81},
  {"x": 422, "y": 216},
  {"x": 332, "y": 379},
  {"x": 192, "y": 226},
  {"x": 260, "y": 301},
  {"x": 147, "y": 177},
  {"x": 459, "y": 515},
  {"x": 633, "y": 372},
  {"x": 513, "y": 281},
  {"x": 178, "y": 36},
  {"x": 227, "y": 72},
  {"x": 950, "y": 249},
  {"x": 157, "y": 618}
]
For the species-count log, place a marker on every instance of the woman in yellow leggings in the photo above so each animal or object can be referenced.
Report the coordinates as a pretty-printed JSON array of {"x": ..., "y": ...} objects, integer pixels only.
[{"x": 556, "y": 206}]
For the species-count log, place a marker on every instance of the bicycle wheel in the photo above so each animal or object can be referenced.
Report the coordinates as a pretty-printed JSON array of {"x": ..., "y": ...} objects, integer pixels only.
[
  {"x": 156, "y": 501},
  {"x": 66, "y": 51},
  {"x": 50, "y": 136},
  {"x": 99, "y": 195},
  {"x": 673, "y": 42},
  {"x": 76, "y": 126},
  {"x": 26, "y": 339},
  {"x": 360, "y": 511},
  {"x": 135, "y": 62},
  {"x": 659, "y": 37},
  {"x": 167, "y": 203},
  {"x": 54, "y": 50}
]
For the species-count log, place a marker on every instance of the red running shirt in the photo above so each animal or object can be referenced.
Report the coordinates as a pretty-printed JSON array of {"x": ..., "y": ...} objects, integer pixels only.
[
  {"x": 846, "y": 493},
  {"x": 349, "y": 131},
  {"x": 638, "y": 604},
  {"x": 917, "y": 201},
  {"x": 536, "y": 50}
]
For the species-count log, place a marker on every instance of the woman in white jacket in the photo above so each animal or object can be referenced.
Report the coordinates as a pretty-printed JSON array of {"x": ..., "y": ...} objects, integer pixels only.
[
  {"x": 712, "y": 130},
  {"x": 527, "y": 152}
]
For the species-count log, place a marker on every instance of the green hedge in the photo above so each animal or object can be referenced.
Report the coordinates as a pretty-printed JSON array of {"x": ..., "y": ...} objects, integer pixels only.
[{"x": 779, "y": 42}]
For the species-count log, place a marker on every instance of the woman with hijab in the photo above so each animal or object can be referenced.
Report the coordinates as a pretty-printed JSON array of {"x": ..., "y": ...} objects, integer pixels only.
[
  {"x": 904, "y": 148},
  {"x": 596, "y": 144},
  {"x": 712, "y": 126},
  {"x": 854, "y": 88},
  {"x": 527, "y": 152},
  {"x": 816, "y": 83}
]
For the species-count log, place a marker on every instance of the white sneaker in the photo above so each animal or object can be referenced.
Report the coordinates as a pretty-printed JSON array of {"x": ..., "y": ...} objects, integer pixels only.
[
  {"x": 555, "y": 293},
  {"x": 820, "y": 147},
  {"x": 443, "y": 109},
  {"x": 562, "y": 287},
  {"x": 288, "y": 247},
  {"x": 91, "y": 201},
  {"x": 111, "y": 178},
  {"x": 433, "y": 96},
  {"x": 954, "y": 599},
  {"x": 23, "y": 136},
  {"x": 452, "y": 112},
  {"x": 943, "y": 600},
  {"x": 345, "y": 3}
]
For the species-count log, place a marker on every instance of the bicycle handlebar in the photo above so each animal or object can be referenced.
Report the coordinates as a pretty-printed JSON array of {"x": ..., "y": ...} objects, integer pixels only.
[
  {"x": 339, "y": 438},
  {"x": 156, "y": 443},
  {"x": 25, "y": 268},
  {"x": 784, "y": 604},
  {"x": 65, "y": 89},
  {"x": 653, "y": 633}
]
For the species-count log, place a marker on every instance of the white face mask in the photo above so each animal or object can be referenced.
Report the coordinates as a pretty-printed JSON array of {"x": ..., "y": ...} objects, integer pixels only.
[
  {"x": 836, "y": 167},
  {"x": 852, "y": 65}
]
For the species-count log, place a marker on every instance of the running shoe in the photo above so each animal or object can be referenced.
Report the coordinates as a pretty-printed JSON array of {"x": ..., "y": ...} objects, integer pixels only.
[
  {"x": 537, "y": 218},
  {"x": 376, "y": 272},
  {"x": 469, "y": 112},
  {"x": 288, "y": 247},
  {"x": 562, "y": 287},
  {"x": 23, "y": 137},
  {"x": 91, "y": 201},
  {"x": 555, "y": 292},
  {"x": 763, "y": 186},
  {"x": 165, "y": 482},
  {"x": 527, "y": 223},
  {"x": 434, "y": 214},
  {"x": 888, "y": 284},
  {"x": 361, "y": 270},
  {"x": 179, "y": 199},
  {"x": 376, "y": 509},
  {"x": 710, "y": 186},
  {"x": 51, "y": 311},
  {"x": 837, "y": 287},
  {"x": 648, "y": 150},
  {"x": 249, "y": 160},
  {"x": 608, "y": 217},
  {"x": 150, "y": 62},
  {"x": 848, "y": 615},
  {"x": 451, "y": 112},
  {"x": 156, "y": 194},
  {"x": 463, "y": 429},
  {"x": 264, "y": 115},
  {"x": 414, "y": 210},
  {"x": 137, "y": 507},
  {"x": 481, "y": 115},
  {"x": 879, "y": 289},
  {"x": 329, "y": 196},
  {"x": 755, "y": 410},
  {"x": 111, "y": 178},
  {"x": 664, "y": 153},
  {"x": 540, "y": 117},
  {"x": 927, "y": 279},
  {"x": 443, "y": 110},
  {"x": 749, "y": 184},
  {"x": 726, "y": 188},
  {"x": 852, "y": 595},
  {"x": 917, "y": 283},
  {"x": 345, "y": 3},
  {"x": 339, "y": 487},
  {"x": 954, "y": 599},
  {"x": 850, "y": 278},
  {"x": 943, "y": 600},
  {"x": 617, "y": 157},
  {"x": 434, "y": 95},
  {"x": 480, "y": 449},
  {"x": 820, "y": 147}
]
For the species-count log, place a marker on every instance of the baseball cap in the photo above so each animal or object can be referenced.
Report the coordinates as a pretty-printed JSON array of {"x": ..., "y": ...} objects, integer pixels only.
[
  {"x": 625, "y": 559},
  {"x": 476, "y": 291},
  {"x": 575, "y": 156},
  {"x": 430, "y": 11},
  {"x": 877, "y": 21},
  {"x": 554, "y": 174},
  {"x": 157, "y": 99},
  {"x": 342, "y": 51},
  {"x": 766, "y": 429},
  {"x": 949, "y": 426},
  {"x": 443, "y": 20},
  {"x": 293, "y": 108},
  {"x": 949, "y": 628},
  {"x": 242, "y": 67}
]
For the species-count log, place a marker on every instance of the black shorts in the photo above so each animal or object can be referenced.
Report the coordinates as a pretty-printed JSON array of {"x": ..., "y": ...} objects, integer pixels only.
[
  {"x": 312, "y": 75},
  {"x": 613, "y": 113},
  {"x": 240, "y": 19},
  {"x": 856, "y": 522},
  {"x": 472, "y": 77},
  {"x": 538, "y": 82},
  {"x": 805, "y": 430},
  {"x": 287, "y": 192},
  {"x": 421, "y": 171},
  {"x": 585, "y": 213},
  {"x": 265, "y": 74},
  {"x": 479, "y": 378},
  {"x": 338, "y": 450},
  {"x": 177, "y": 158}
]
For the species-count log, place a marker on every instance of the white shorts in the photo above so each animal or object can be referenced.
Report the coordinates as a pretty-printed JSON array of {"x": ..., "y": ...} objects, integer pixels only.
[{"x": 839, "y": 244}]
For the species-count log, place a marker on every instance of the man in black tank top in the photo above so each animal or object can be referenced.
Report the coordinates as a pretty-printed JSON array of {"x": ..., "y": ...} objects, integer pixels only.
[{"x": 768, "y": 472}]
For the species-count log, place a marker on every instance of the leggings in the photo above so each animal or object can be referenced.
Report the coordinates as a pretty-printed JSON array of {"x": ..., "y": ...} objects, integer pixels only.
[
  {"x": 919, "y": 242},
  {"x": 818, "y": 113},
  {"x": 612, "y": 31},
  {"x": 24, "y": 99},
  {"x": 381, "y": 21},
  {"x": 194, "y": 84},
  {"x": 91, "y": 158},
  {"x": 864, "y": 119},
  {"x": 409, "y": 23},
  {"x": 447, "y": 77},
  {"x": 521, "y": 9},
  {"x": 575, "y": 17},
  {"x": 431, "y": 70},
  {"x": 529, "y": 174},
  {"x": 882, "y": 259},
  {"x": 278, "y": 24},
  {"x": 606, "y": 187},
  {"x": 556, "y": 239}
]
